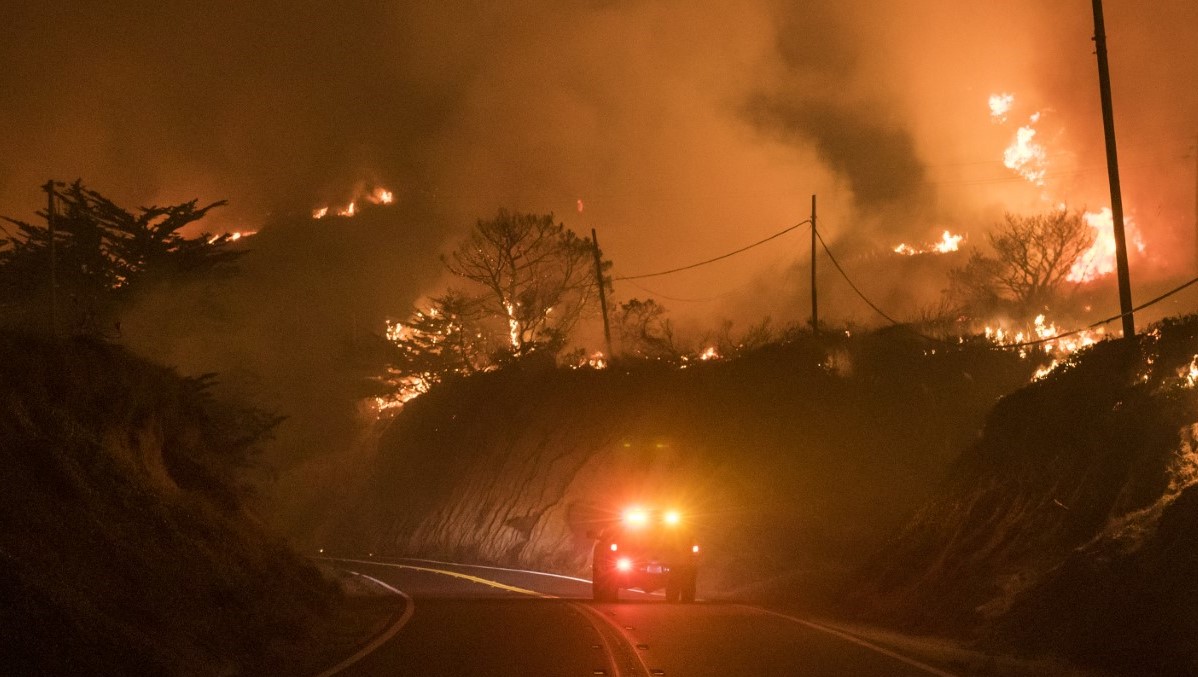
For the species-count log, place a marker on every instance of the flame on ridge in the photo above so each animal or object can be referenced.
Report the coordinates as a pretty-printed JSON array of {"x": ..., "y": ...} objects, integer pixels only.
[
  {"x": 1050, "y": 343},
  {"x": 377, "y": 195},
  {"x": 948, "y": 243}
]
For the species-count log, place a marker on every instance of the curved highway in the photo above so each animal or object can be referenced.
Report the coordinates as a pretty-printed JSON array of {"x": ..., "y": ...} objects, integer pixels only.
[{"x": 471, "y": 620}]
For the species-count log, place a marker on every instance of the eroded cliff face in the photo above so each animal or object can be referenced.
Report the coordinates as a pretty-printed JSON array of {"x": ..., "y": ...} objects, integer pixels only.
[
  {"x": 791, "y": 466},
  {"x": 1070, "y": 526}
]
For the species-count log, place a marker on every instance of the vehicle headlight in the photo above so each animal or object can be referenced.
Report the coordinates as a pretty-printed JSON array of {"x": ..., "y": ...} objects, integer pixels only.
[
  {"x": 672, "y": 517},
  {"x": 635, "y": 517}
]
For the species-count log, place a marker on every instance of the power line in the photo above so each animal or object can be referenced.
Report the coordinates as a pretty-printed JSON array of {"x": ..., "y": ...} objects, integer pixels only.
[
  {"x": 1003, "y": 346},
  {"x": 853, "y": 286},
  {"x": 713, "y": 260}
]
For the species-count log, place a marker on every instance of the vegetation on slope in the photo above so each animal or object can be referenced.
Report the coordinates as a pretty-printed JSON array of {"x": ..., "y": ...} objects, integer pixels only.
[
  {"x": 1069, "y": 526},
  {"x": 796, "y": 461},
  {"x": 124, "y": 546}
]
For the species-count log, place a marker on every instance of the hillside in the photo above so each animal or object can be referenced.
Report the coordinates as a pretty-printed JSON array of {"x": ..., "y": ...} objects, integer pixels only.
[
  {"x": 1070, "y": 526},
  {"x": 123, "y": 542},
  {"x": 794, "y": 462}
]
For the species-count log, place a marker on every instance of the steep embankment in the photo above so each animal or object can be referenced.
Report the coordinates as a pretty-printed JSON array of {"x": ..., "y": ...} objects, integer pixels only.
[
  {"x": 123, "y": 549},
  {"x": 1072, "y": 525},
  {"x": 793, "y": 462}
]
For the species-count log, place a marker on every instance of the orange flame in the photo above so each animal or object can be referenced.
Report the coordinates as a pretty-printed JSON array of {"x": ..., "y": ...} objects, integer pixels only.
[
  {"x": 1000, "y": 105},
  {"x": 948, "y": 243},
  {"x": 1026, "y": 156},
  {"x": 1099, "y": 259}
]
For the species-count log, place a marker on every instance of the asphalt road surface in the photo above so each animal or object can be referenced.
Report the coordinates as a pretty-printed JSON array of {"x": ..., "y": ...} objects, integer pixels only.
[{"x": 469, "y": 620}]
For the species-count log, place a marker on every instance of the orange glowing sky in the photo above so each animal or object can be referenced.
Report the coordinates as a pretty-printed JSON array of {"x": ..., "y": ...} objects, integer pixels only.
[{"x": 686, "y": 130}]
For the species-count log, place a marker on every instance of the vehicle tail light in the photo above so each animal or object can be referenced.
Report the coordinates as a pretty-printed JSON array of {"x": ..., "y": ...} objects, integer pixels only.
[
  {"x": 695, "y": 549},
  {"x": 624, "y": 564},
  {"x": 614, "y": 547}
]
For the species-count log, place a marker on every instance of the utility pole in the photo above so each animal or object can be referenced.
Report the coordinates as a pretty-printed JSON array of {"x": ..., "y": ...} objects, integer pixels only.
[
  {"x": 1112, "y": 163},
  {"x": 814, "y": 297},
  {"x": 50, "y": 218},
  {"x": 602, "y": 293}
]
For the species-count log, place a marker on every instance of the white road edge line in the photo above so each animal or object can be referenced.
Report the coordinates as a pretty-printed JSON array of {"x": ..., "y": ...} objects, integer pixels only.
[
  {"x": 380, "y": 639},
  {"x": 858, "y": 641}
]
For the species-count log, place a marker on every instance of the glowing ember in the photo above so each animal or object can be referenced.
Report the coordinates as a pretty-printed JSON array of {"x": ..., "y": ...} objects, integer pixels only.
[
  {"x": 1000, "y": 105},
  {"x": 709, "y": 354},
  {"x": 948, "y": 243},
  {"x": 596, "y": 360},
  {"x": 1099, "y": 259},
  {"x": 1027, "y": 156}
]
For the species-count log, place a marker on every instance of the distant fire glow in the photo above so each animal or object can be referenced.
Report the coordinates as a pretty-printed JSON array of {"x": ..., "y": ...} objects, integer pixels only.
[
  {"x": 948, "y": 243},
  {"x": 377, "y": 195},
  {"x": 234, "y": 236}
]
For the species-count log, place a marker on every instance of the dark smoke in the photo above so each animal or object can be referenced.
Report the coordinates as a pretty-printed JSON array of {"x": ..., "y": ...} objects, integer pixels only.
[{"x": 878, "y": 161}]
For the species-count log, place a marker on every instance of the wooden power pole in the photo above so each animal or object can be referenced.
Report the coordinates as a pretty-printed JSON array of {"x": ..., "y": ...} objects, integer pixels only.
[
  {"x": 814, "y": 296},
  {"x": 602, "y": 293},
  {"x": 1112, "y": 163}
]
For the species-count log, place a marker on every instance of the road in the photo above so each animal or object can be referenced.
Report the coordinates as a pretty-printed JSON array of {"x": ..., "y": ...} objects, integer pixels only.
[{"x": 469, "y": 620}]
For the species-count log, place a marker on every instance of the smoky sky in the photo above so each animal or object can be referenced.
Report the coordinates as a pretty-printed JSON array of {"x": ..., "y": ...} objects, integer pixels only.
[{"x": 684, "y": 129}]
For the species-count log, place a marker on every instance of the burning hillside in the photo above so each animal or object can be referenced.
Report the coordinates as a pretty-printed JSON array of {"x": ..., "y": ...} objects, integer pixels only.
[{"x": 1068, "y": 527}]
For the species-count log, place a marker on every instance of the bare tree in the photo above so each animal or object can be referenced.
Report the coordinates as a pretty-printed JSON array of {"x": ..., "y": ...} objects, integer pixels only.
[
  {"x": 645, "y": 331},
  {"x": 537, "y": 276},
  {"x": 1033, "y": 256}
]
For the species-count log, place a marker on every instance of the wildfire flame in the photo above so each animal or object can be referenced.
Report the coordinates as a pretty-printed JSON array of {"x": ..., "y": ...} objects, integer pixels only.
[
  {"x": 1099, "y": 259},
  {"x": 1000, "y": 105},
  {"x": 1029, "y": 158},
  {"x": 234, "y": 236},
  {"x": 1045, "y": 331},
  {"x": 377, "y": 195},
  {"x": 1026, "y": 156},
  {"x": 948, "y": 243}
]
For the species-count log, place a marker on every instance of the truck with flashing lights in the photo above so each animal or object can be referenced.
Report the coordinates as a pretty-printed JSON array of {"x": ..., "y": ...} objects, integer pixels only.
[{"x": 648, "y": 550}]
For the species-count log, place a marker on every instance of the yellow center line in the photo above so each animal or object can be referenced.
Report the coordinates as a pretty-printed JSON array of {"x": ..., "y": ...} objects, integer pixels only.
[{"x": 456, "y": 574}]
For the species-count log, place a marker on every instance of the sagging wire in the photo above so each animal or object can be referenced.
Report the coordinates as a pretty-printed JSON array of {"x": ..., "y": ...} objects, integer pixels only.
[
  {"x": 713, "y": 260},
  {"x": 1002, "y": 346}
]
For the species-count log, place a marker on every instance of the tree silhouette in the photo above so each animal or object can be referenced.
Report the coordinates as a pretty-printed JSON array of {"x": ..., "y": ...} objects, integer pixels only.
[
  {"x": 536, "y": 275},
  {"x": 103, "y": 255},
  {"x": 1033, "y": 256},
  {"x": 645, "y": 331}
]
